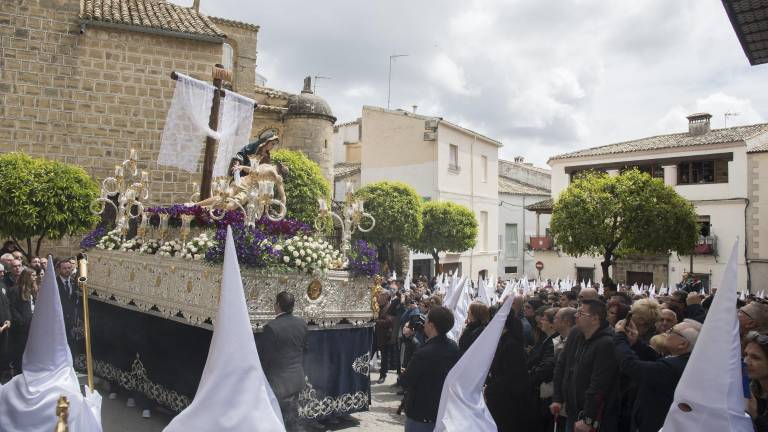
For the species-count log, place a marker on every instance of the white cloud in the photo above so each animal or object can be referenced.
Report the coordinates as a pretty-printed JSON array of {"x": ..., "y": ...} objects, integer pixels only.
[{"x": 542, "y": 79}]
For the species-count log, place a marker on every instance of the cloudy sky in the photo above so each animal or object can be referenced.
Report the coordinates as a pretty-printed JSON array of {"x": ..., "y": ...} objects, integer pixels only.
[{"x": 542, "y": 76}]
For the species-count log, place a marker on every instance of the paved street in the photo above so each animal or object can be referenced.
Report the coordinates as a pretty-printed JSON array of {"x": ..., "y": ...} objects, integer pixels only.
[{"x": 381, "y": 417}]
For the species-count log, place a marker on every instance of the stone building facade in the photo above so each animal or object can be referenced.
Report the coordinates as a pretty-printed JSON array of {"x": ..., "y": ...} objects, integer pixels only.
[{"x": 85, "y": 82}]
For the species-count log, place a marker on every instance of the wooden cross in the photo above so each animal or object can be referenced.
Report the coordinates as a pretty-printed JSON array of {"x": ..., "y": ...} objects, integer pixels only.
[{"x": 219, "y": 75}]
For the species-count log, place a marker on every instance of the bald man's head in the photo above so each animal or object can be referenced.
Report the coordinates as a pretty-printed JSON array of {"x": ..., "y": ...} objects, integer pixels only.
[{"x": 588, "y": 294}]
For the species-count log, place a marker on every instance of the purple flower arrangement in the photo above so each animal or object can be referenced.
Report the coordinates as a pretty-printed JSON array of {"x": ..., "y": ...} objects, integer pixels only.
[
  {"x": 254, "y": 247},
  {"x": 92, "y": 238},
  {"x": 363, "y": 259}
]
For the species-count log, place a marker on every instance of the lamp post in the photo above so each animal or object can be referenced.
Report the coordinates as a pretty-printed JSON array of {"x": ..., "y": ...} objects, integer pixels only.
[
  {"x": 352, "y": 218},
  {"x": 389, "y": 75}
]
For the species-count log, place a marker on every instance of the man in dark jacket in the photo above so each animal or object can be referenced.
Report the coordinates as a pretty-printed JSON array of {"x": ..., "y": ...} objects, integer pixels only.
[
  {"x": 70, "y": 302},
  {"x": 656, "y": 377},
  {"x": 426, "y": 372},
  {"x": 282, "y": 345},
  {"x": 588, "y": 376},
  {"x": 687, "y": 305}
]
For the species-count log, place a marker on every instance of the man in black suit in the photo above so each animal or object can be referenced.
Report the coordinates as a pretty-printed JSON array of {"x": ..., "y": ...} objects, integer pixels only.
[
  {"x": 281, "y": 348},
  {"x": 656, "y": 376},
  {"x": 70, "y": 300},
  {"x": 426, "y": 372}
]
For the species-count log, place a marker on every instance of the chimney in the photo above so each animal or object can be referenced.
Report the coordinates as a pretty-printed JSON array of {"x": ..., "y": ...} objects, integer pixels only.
[
  {"x": 698, "y": 124},
  {"x": 414, "y": 108},
  {"x": 307, "y": 85},
  {"x": 196, "y": 5}
]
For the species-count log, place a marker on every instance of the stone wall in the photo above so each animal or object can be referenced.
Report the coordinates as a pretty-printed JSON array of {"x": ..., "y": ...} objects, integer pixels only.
[
  {"x": 657, "y": 265},
  {"x": 312, "y": 136},
  {"x": 88, "y": 98}
]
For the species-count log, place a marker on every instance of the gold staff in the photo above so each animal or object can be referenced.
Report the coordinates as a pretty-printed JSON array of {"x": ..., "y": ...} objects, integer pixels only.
[
  {"x": 62, "y": 414},
  {"x": 82, "y": 280}
]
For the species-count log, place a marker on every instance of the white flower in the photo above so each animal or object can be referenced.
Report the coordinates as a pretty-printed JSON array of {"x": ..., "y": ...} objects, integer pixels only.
[
  {"x": 198, "y": 257},
  {"x": 295, "y": 254},
  {"x": 298, "y": 262},
  {"x": 278, "y": 247},
  {"x": 302, "y": 253},
  {"x": 286, "y": 259}
]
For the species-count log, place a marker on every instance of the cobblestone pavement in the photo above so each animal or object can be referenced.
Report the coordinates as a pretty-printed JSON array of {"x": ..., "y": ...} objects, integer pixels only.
[{"x": 381, "y": 417}]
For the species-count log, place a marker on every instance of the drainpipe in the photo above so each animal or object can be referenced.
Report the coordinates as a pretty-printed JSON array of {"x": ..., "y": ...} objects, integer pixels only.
[{"x": 746, "y": 249}]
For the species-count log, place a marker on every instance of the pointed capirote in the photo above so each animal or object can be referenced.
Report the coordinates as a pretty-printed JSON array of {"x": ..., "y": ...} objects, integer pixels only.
[
  {"x": 233, "y": 394},
  {"x": 462, "y": 406},
  {"x": 709, "y": 397},
  {"x": 28, "y": 401}
]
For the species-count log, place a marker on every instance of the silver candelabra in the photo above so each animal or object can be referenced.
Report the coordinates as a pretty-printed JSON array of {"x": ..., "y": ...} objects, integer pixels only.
[{"x": 132, "y": 189}]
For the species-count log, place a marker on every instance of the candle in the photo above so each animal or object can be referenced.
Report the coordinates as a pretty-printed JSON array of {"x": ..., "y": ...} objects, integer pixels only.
[
  {"x": 117, "y": 171},
  {"x": 133, "y": 154},
  {"x": 144, "y": 176},
  {"x": 360, "y": 205},
  {"x": 323, "y": 205},
  {"x": 350, "y": 187}
]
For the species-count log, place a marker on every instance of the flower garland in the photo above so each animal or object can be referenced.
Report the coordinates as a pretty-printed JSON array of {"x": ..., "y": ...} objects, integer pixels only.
[
  {"x": 363, "y": 259},
  {"x": 110, "y": 241},
  {"x": 309, "y": 254},
  {"x": 197, "y": 247},
  {"x": 170, "y": 248},
  {"x": 150, "y": 247}
]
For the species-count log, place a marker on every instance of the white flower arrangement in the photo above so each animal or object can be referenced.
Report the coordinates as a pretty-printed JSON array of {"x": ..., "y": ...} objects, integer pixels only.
[
  {"x": 150, "y": 247},
  {"x": 131, "y": 245},
  {"x": 110, "y": 241},
  {"x": 170, "y": 248},
  {"x": 196, "y": 248},
  {"x": 309, "y": 254}
]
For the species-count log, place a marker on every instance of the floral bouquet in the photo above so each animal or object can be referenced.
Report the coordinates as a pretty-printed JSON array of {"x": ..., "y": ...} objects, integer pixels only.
[
  {"x": 363, "y": 259},
  {"x": 110, "y": 241},
  {"x": 309, "y": 254},
  {"x": 197, "y": 247},
  {"x": 131, "y": 245},
  {"x": 150, "y": 247},
  {"x": 170, "y": 248}
]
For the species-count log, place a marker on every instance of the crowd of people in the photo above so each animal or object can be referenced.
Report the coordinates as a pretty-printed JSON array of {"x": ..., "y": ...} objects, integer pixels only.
[
  {"x": 20, "y": 278},
  {"x": 580, "y": 360}
]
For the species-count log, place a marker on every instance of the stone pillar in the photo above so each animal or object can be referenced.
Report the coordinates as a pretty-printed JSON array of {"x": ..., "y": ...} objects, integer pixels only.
[{"x": 670, "y": 175}]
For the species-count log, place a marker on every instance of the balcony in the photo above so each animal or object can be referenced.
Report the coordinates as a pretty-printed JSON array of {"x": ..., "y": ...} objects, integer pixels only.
[
  {"x": 706, "y": 245},
  {"x": 541, "y": 243}
]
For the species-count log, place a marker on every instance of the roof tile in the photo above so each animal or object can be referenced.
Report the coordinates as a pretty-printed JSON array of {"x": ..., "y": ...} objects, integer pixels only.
[
  {"x": 156, "y": 14},
  {"x": 715, "y": 136}
]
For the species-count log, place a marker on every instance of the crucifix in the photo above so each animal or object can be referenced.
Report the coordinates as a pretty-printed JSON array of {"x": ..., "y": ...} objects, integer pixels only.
[{"x": 219, "y": 75}]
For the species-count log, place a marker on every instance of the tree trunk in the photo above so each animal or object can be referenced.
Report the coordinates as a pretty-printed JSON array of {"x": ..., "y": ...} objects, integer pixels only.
[
  {"x": 438, "y": 267},
  {"x": 21, "y": 249},
  {"x": 606, "y": 265},
  {"x": 39, "y": 243}
]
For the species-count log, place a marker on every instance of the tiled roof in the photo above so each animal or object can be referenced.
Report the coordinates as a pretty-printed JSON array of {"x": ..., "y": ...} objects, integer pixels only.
[
  {"x": 527, "y": 166},
  {"x": 233, "y": 23},
  {"x": 545, "y": 205},
  {"x": 345, "y": 169},
  {"x": 759, "y": 149},
  {"x": 510, "y": 186},
  {"x": 749, "y": 19},
  {"x": 150, "y": 14},
  {"x": 715, "y": 136}
]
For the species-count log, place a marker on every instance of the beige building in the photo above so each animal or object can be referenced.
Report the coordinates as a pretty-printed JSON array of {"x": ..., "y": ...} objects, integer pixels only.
[
  {"x": 710, "y": 168},
  {"x": 441, "y": 160},
  {"x": 84, "y": 82},
  {"x": 757, "y": 226}
]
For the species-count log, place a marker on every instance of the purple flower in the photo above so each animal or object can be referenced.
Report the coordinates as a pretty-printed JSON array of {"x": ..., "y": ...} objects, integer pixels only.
[
  {"x": 363, "y": 259},
  {"x": 92, "y": 238}
]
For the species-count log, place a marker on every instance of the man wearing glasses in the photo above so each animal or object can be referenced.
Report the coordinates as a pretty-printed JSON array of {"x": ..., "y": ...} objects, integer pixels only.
[
  {"x": 586, "y": 376},
  {"x": 655, "y": 376}
]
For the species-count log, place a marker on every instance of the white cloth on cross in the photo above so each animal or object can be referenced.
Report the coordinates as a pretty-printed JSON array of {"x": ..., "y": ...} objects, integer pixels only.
[
  {"x": 235, "y": 125},
  {"x": 186, "y": 124}
]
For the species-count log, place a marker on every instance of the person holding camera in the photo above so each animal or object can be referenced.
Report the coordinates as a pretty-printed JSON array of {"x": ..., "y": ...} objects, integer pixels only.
[{"x": 423, "y": 378}]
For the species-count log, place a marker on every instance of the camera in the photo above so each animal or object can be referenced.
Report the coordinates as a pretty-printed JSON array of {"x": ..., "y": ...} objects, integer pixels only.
[{"x": 416, "y": 322}]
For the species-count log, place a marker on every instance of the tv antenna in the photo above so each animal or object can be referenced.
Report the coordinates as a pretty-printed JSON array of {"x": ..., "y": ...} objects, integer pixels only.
[
  {"x": 729, "y": 114},
  {"x": 317, "y": 77}
]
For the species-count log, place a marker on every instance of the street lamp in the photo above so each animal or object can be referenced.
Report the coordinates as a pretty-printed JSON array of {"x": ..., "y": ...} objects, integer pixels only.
[{"x": 389, "y": 76}]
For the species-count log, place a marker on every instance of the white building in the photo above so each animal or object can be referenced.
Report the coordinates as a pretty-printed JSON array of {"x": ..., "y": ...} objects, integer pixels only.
[
  {"x": 441, "y": 160},
  {"x": 707, "y": 167},
  {"x": 520, "y": 185}
]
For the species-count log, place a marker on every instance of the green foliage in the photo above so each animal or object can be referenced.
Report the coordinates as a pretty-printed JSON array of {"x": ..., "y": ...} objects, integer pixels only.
[
  {"x": 303, "y": 185},
  {"x": 447, "y": 227},
  {"x": 397, "y": 209},
  {"x": 44, "y": 199},
  {"x": 627, "y": 214}
]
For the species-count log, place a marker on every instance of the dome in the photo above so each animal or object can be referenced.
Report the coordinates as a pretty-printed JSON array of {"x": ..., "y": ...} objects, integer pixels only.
[{"x": 307, "y": 104}]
